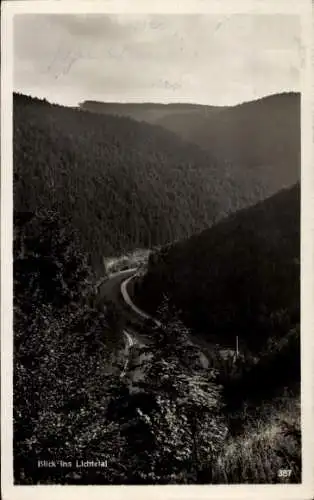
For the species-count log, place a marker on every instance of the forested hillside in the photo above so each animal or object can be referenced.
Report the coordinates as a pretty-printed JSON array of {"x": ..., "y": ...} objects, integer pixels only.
[
  {"x": 239, "y": 278},
  {"x": 88, "y": 186},
  {"x": 123, "y": 184},
  {"x": 262, "y": 136},
  {"x": 180, "y": 424}
]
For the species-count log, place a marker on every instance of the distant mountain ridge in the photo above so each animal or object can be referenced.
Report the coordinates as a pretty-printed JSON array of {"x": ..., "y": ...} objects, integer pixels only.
[
  {"x": 143, "y": 110},
  {"x": 263, "y": 135},
  {"x": 146, "y": 111}
]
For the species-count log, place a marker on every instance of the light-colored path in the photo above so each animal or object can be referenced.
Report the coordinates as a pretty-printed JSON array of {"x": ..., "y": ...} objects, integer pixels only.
[
  {"x": 144, "y": 315},
  {"x": 128, "y": 300},
  {"x": 115, "y": 288},
  {"x": 130, "y": 342}
]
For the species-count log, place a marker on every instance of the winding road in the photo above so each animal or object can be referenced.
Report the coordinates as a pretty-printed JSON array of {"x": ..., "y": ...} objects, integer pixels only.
[
  {"x": 130, "y": 303},
  {"x": 132, "y": 319},
  {"x": 115, "y": 289}
]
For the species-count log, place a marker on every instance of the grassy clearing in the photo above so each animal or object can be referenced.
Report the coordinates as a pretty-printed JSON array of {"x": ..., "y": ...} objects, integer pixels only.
[{"x": 271, "y": 441}]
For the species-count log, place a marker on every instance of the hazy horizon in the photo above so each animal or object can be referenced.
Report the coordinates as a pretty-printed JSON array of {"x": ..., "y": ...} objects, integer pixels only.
[
  {"x": 158, "y": 102},
  {"x": 197, "y": 59}
]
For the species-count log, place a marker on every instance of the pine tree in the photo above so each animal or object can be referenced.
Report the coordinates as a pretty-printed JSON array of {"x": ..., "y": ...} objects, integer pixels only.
[
  {"x": 49, "y": 266},
  {"x": 170, "y": 417}
]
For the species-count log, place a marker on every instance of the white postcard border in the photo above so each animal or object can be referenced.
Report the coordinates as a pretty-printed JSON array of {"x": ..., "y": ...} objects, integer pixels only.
[{"x": 225, "y": 7}]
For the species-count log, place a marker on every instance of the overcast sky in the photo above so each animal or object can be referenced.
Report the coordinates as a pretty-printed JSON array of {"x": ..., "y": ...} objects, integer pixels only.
[{"x": 208, "y": 59}]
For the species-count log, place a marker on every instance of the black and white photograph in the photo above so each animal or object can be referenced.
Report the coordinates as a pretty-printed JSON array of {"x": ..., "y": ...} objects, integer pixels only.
[{"x": 157, "y": 177}]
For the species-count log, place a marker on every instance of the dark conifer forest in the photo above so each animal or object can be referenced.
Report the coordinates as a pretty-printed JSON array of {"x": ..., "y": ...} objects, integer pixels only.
[
  {"x": 205, "y": 203},
  {"x": 124, "y": 184},
  {"x": 221, "y": 277},
  {"x": 261, "y": 137}
]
